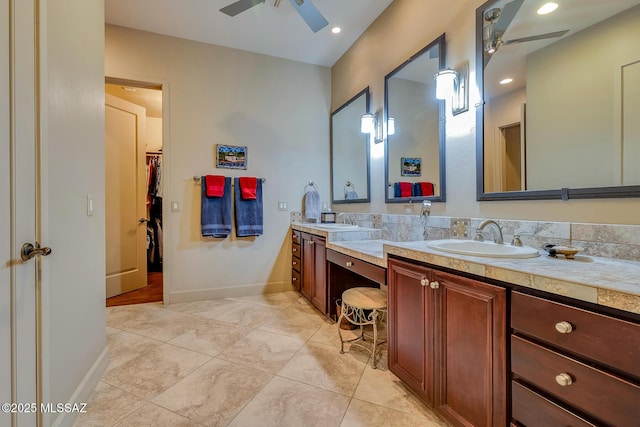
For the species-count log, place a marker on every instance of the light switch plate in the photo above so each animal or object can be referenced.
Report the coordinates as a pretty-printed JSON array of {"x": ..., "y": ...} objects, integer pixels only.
[
  {"x": 175, "y": 206},
  {"x": 90, "y": 207},
  {"x": 283, "y": 206}
]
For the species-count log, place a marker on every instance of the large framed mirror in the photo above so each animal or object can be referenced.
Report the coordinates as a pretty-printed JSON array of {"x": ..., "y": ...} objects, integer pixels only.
[
  {"x": 415, "y": 150},
  {"x": 561, "y": 99},
  {"x": 350, "y": 152}
]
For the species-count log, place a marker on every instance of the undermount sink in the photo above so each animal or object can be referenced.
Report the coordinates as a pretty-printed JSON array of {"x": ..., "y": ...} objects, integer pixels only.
[
  {"x": 483, "y": 249},
  {"x": 336, "y": 226}
]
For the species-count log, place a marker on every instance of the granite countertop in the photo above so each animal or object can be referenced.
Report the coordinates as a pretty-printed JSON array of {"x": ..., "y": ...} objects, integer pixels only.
[{"x": 604, "y": 281}]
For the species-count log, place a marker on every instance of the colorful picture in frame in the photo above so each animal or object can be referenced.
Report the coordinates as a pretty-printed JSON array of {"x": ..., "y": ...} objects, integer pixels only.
[
  {"x": 231, "y": 157},
  {"x": 410, "y": 166}
]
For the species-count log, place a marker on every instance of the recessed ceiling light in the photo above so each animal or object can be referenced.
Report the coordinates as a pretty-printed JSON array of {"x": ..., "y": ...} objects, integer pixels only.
[
  {"x": 506, "y": 81},
  {"x": 547, "y": 8},
  {"x": 336, "y": 30}
]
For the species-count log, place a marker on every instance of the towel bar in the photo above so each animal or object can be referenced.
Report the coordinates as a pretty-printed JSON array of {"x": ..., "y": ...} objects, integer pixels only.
[{"x": 197, "y": 179}]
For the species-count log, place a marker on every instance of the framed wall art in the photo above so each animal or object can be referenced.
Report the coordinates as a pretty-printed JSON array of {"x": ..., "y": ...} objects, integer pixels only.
[
  {"x": 411, "y": 166},
  {"x": 231, "y": 157}
]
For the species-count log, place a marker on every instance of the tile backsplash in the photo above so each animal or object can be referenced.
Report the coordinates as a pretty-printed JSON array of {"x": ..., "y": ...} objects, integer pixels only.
[{"x": 605, "y": 240}]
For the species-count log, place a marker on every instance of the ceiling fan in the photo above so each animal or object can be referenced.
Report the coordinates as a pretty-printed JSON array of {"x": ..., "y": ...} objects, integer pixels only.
[
  {"x": 305, "y": 9},
  {"x": 498, "y": 20}
]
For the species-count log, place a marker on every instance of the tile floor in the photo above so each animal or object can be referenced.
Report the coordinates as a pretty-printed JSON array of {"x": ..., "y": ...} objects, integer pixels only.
[{"x": 268, "y": 360}]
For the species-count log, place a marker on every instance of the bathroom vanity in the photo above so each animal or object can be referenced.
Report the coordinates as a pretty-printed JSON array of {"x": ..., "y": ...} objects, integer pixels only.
[{"x": 493, "y": 342}]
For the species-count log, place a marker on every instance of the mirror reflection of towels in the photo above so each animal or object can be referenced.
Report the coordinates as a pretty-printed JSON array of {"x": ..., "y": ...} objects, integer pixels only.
[{"x": 350, "y": 195}]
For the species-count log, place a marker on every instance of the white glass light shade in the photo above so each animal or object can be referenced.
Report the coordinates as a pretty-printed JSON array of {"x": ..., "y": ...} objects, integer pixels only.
[
  {"x": 391, "y": 126},
  {"x": 367, "y": 123},
  {"x": 445, "y": 80}
]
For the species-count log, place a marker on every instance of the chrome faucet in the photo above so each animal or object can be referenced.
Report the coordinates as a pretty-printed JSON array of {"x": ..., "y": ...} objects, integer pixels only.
[
  {"x": 344, "y": 219},
  {"x": 425, "y": 211},
  {"x": 495, "y": 229}
]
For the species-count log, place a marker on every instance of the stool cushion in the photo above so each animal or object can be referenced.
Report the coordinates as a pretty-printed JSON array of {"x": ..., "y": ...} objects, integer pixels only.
[{"x": 365, "y": 298}]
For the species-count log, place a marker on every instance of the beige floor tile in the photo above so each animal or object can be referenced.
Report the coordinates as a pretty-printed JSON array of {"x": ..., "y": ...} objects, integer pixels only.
[
  {"x": 328, "y": 334},
  {"x": 365, "y": 414},
  {"x": 323, "y": 366},
  {"x": 263, "y": 350},
  {"x": 252, "y": 315},
  {"x": 155, "y": 371},
  {"x": 286, "y": 403},
  {"x": 125, "y": 346},
  {"x": 279, "y": 300},
  {"x": 211, "y": 337},
  {"x": 111, "y": 331},
  {"x": 166, "y": 327},
  {"x": 150, "y": 415},
  {"x": 106, "y": 405},
  {"x": 215, "y": 393},
  {"x": 300, "y": 323},
  {"x": 197, "y": 307},
  {"x": 382, "y": 387},
  {"x": 219, "y": 307},
  {"x": 125, "y": 316}
]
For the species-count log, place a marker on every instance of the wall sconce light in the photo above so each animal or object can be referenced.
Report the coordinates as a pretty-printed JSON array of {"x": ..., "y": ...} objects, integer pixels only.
[
  {"x": 453, "y": 85},
  {"x": 372, "y": 124}
]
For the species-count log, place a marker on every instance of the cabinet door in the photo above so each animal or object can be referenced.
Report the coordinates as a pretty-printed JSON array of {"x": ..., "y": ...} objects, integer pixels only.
[
  {"x": 471, "y": 359},
  {"x": 308, "y": 259},
  {"x": 319, "y": 282},
  {"x": 411, "y": 327}
]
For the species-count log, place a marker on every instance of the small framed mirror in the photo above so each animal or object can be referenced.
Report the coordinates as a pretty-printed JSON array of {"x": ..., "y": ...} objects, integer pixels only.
[
  {"x": 415, "y": 142},
  {"x": 350, "y": 152}
]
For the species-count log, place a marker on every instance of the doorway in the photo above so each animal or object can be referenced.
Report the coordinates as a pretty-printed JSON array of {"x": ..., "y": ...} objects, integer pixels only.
[{"x": 134, "y": 279}]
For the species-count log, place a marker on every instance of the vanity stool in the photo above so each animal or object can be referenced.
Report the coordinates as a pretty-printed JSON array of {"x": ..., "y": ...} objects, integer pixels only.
[{"x": 361, "y": 307}]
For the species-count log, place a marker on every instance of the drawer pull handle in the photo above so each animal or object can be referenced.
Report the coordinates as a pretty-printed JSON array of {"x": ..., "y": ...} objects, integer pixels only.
[
  {"x": 564, "y": 379},
  {"x": 435, "y": 285},
  {"x": 424, "y": 281},
  {"x": 564, "y": 327},
  {"x": 349, "y": 264}
]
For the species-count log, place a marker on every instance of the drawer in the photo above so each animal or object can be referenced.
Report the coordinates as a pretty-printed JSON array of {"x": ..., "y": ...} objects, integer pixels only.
[
  {"x": 295, "y": 249},
  {"x": 295, "y": 236},
  {"x": 594, "y": 392},
  {"x": 531, "y": 409},
  {"x": 363, "y": 268},
  {"x": 605, "y": 339},
  {"x": 295, "y": 263},
  {"x": 295, "y": 279}
]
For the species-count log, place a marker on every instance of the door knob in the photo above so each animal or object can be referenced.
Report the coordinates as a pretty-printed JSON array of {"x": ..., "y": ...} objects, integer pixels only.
[
  {"x": 29, "y": 251},
  {"x": 141, "y": 220}
]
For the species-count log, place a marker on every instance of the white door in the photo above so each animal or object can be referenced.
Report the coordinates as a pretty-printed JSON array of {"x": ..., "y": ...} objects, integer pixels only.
[
  {"x": 19, "y": 218},
  {"x": 125, "y": 192}
]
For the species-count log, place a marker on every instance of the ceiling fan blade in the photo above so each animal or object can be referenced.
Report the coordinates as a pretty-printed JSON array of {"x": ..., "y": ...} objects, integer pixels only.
[
  {"x": 310, "y": 14},
  {"x": 538, "y": 37},
  {"x": 240, "y": 6},
  {"x": 506, "y": 16}
]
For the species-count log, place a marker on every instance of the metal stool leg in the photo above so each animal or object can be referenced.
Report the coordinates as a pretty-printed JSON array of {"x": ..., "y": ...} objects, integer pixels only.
[
  {"x": 340, "y": 330},
  {"x": 375, "y": 338}
]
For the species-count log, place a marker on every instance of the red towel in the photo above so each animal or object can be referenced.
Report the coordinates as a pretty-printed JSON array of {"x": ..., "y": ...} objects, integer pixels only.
[
  {"x": 248, "y": 185},
  {"x": 405, "y": 189},
  {"x": 427, "y": 188},
  {"x": 215, "y": 185}
]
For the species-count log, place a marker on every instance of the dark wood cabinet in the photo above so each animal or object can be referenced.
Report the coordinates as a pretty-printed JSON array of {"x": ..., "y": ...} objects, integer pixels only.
[
  {"x": 314, "y": 276},
  {"x": 572, "y": 363},
  {"x": 296, "y": 262},
  {"x": 447, "y": 341}
]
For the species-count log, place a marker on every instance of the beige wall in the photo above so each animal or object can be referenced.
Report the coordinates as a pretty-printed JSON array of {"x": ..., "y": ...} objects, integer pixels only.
[
  {"x": 405, "y": 27},
  {"x": 278, "y": 108}
]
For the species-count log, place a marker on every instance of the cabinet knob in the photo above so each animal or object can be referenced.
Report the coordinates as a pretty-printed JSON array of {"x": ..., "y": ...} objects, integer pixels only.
[
  {"x": 564, "y": 379},
  {"x": 424, "y": 281},
  {"x": 310, "y": 242},
  {"x": 349, "y": 264},
  {"x": 293, "y": 279},
  {"x": 294, "y": 262},
  {"x": 564, "y": 327},
  {"x": 434, "y": 285},
  {"x": 294, "y": 250}
]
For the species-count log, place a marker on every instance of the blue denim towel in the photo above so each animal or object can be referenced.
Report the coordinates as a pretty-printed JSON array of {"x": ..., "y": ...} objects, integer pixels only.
[
  {"x": 248, "y": 213},
  {"x": 215, "y": 216}
]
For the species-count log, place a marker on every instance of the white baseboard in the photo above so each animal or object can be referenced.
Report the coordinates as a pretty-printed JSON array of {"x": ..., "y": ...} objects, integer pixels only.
[
  {"x": 229, "y": 292},
  {"x": 84, "y": 389}
]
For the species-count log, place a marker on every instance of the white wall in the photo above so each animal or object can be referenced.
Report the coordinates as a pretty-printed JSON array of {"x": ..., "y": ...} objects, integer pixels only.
[
  {"x": 73, "y": 137},
  {"x": 404, "y": 28},
  {"x": 278, "y": 108}
]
